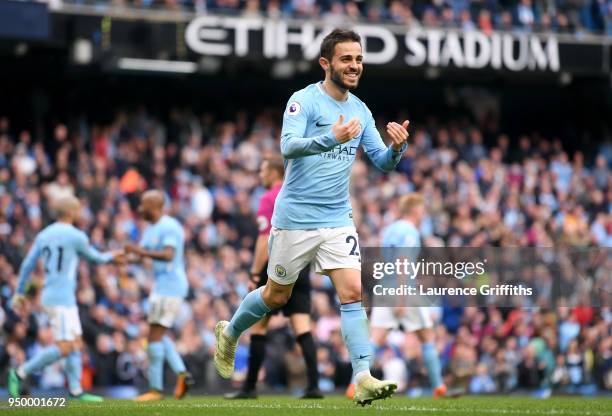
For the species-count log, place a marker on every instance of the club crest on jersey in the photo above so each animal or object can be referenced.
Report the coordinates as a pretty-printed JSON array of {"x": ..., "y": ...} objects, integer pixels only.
[
  {"x": 294, "y": 108},
  {"x": 280, "y": 270}
]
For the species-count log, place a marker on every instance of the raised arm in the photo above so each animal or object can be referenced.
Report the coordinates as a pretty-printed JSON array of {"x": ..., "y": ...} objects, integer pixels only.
[{"x": 384, "y": 157}]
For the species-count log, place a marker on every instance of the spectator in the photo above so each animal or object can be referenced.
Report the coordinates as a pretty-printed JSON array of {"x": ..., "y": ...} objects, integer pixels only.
[{"x": 482, "y": 381}]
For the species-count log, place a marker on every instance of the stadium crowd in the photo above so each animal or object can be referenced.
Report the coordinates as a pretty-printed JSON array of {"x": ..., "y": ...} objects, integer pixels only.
[
  {"x": 577, "y": 16},
  {"x": 481, "y": 190}
]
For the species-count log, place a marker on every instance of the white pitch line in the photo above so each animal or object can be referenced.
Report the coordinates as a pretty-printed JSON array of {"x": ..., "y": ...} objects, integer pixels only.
[{"x": 386, "y": 408}]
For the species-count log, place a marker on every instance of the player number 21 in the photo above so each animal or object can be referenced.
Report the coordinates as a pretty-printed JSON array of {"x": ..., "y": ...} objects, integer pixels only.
[{"x": 47, "y": 253}]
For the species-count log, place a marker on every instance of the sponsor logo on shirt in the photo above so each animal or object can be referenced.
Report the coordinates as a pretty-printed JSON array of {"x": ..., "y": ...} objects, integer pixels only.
[{"x": 340, "y": 152}]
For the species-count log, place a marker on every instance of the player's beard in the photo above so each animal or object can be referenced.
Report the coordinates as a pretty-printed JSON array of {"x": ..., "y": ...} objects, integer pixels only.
[
  {"x": 336, "y": 77},
  {"x": 146, "y": 215}
]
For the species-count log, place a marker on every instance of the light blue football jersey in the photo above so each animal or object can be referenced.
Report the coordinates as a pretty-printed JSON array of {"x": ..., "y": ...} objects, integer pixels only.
[
  {"x": 401, "y": 239},
  {"x": 170, "y": 276},
  {"x": 315, "y": 193},
  {"x": 401, "y": 233},
  {"x": 60, "y": 245}
]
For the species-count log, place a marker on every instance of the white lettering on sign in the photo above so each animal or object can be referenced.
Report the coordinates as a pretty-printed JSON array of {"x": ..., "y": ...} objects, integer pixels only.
[
  {"x": 476, "y": 50},
  {"x": 225, "y": 36}
]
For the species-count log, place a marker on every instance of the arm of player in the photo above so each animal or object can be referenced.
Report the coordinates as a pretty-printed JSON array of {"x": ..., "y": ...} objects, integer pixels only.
[
  {"x": 91, "y": 254},
  {"x": 260, "y": 257},
  {"x": 169, "y": 242},
  {"x": 165, "y": 254},
  {"x": 264, "y": 226},
  {"x": 384, "y": 158},
  {"x": 293, "y": 142},
  {"x": 27, "y": 266}
]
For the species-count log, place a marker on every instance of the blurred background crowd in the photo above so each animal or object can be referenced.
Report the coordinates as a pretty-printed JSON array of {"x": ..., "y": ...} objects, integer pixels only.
[
  {"x": 561, "y": 16},
  {"x": 482, "y": 187}
]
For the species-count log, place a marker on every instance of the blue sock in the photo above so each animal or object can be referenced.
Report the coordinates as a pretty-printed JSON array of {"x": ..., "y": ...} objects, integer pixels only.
[
  {"x": 156, "y": 365},
  {"x": 74, "y": 367},
  {"x": 432, "y": 362},
  {"x": 354, "y": 325},
  {"x": 174, "y": 358},
  {"x": 251, "y": 310},
  {"x": 47, "y": 356}
]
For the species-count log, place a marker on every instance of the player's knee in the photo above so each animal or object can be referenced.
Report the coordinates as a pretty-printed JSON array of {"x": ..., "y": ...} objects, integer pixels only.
[
  {"x": 77, "y": 345},
  {"x": 156, "y": 333},
  {"x": 277, "y": 300},
  {"x": 351, "y": 292},
  {"x": 426, "y": 335},
  {"x": 65, "y": 348},
  {"x": 276, "y": 296}
]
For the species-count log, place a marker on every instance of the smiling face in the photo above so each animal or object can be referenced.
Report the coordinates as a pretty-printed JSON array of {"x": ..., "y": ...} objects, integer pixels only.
[
  {"x": 346, "y": 65},
  {"x": 341, "y": 58}
]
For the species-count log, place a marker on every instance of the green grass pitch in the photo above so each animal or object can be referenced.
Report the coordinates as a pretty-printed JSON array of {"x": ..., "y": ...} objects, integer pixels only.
[{"x": 336, "y": 406}]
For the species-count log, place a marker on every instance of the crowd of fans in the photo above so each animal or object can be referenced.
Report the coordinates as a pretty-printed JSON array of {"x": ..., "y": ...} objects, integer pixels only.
[
  {"x": 481, "y": 190},
  {"x": 574, "y": 16}
]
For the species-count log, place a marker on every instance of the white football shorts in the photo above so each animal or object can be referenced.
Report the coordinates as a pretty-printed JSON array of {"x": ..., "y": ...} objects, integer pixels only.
[
  {"x": 163, "y": 310},
  {"x": 327, "y": 248},
  {"x": 411, "y": 318},
  {"x": 65, "y": 322}
]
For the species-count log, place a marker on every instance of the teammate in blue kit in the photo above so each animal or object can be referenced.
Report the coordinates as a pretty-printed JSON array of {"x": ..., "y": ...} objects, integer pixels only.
[
  {"x": 60, "y": 245},
  {"x": 404, "y": 233},
  {"x": 312, "y": 219},
  {"x": 163, "y": 242}
]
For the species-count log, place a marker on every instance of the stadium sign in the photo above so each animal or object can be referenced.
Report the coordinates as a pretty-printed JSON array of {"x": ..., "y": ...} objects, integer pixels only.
[
  {"x": 478, "y": 50},
  {"x": 276, "y": 39}
]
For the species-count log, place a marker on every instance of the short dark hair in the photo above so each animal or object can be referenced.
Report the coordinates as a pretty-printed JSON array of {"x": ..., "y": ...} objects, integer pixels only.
[
  {"x": 337, "y": 36},
  {"x": 275, "y": 162}
]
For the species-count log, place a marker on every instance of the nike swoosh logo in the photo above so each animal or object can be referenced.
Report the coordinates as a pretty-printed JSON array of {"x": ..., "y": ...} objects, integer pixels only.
[
  {"x": 318, "y": 124},
  {"x": 361, "y": 357}
]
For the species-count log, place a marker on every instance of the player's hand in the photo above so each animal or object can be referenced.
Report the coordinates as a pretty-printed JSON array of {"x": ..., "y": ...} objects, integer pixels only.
[
  {"x": 131, "y": 248},
  {"x": 398, "y": 134},
  {"x": 119, "y": 256},
  {"x": 346, "y": 132},
  {"x": 17, "y": 301}
]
